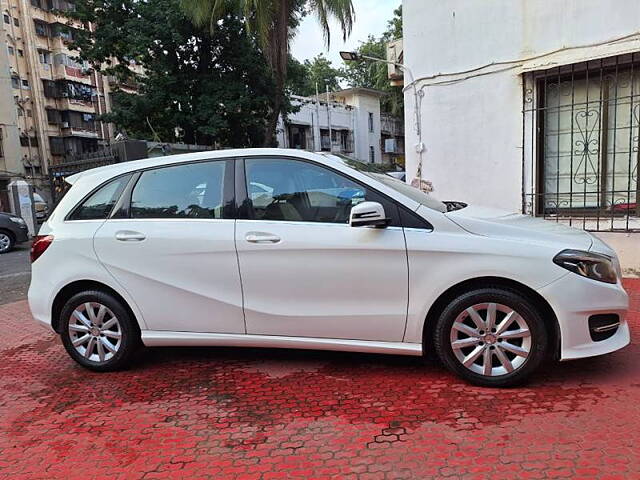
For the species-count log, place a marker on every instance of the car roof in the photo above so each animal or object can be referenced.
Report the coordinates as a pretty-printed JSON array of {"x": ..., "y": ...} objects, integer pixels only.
[
  {"x": 116, "y": 169},
  {"x": 92, "y": 178}
]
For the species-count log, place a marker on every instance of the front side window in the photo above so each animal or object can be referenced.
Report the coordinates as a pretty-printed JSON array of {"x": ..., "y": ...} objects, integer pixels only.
[
  {"x": 182, "y": 191},
  {"x": 298, "y": 191},
  {"x": 99, "y": 205}
]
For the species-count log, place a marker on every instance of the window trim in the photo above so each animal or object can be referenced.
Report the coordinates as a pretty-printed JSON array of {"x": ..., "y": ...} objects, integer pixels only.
[
  {"x": 228, "y": 193},
  {"x": 244, "y": 209}
]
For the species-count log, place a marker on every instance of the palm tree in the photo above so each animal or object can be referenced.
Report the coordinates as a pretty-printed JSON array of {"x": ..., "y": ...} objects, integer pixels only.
[{"x": 274, "y": 22}]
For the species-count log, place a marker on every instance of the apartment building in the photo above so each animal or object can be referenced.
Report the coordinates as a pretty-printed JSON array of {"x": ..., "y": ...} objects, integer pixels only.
[
  {"x": 348, "y": 122},
  {"x": 49, "y": 100}
]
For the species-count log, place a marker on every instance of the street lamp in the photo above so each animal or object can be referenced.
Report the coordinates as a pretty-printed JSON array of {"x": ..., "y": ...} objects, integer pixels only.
[{"x": 357, "y": 57}]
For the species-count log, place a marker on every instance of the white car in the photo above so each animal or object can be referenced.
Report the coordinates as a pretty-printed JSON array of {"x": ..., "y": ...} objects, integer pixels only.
[{"x": 172, "y": 251}]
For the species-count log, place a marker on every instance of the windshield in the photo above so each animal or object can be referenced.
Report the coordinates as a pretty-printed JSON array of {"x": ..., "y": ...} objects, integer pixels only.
[{"x": 378, "y": 172}]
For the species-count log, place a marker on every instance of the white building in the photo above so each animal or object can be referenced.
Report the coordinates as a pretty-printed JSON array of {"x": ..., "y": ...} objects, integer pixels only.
[
  {"x": 350, "y": 123},
  {"x": 530, "y": 106}
]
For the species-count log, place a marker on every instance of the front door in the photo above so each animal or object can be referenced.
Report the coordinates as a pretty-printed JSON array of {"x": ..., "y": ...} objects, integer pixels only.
[
  {"x": 173, "y": 248},
  {"x": 307, "y": 273}
]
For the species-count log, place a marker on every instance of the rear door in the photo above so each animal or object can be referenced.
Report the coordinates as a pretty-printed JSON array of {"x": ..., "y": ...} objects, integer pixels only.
[{"x": 170, "y": 244}]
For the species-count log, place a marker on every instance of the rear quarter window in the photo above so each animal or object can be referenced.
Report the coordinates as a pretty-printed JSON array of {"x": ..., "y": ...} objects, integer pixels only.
[{"x": 99, "y": 204}]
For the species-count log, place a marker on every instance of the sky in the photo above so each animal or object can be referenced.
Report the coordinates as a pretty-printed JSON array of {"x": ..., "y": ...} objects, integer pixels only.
[{"x": 371, "y": 18}]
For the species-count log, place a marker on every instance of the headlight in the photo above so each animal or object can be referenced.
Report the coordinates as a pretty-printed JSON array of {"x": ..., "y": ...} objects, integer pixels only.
[
  {"x": 591, "y": 265},
  {"x": 17, "y": 220}
]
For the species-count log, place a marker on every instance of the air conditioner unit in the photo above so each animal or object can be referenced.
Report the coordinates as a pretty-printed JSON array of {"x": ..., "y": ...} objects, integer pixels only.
[{"x": 65, "y": 124}]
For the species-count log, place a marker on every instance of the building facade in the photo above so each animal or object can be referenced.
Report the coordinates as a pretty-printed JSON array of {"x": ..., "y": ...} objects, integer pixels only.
[
  {"x": 529, "y": 106},
  {"x": 349, "y": 123},
  {"x": 50, "y": 102}
]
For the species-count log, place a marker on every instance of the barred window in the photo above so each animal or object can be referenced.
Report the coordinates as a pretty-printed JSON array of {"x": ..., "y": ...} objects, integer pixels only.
[{"x": 584, "y": 123}]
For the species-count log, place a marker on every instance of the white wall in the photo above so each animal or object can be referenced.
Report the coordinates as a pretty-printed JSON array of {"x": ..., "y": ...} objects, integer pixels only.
[{"x": 471, "y": 117}]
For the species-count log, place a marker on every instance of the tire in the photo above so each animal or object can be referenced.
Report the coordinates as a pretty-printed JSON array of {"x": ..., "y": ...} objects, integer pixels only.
[
  {"x": 518, "y": 327},
  {"x": 109, "y": 346},
  {"x": 7, "y": 241}
]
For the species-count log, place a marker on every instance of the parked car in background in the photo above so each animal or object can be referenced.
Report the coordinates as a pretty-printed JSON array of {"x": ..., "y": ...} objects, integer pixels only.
[
  {"x": 285, "y": 248},
  {"x": 41, "y": 206},
  {"x": 13, "y": 230}
]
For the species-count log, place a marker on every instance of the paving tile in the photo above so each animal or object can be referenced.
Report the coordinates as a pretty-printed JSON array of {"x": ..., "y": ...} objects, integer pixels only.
[{"x": 269, "y": 414}]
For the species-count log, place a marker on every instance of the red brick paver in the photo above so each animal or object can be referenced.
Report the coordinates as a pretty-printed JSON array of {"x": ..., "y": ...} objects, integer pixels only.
[{"x": 243, "y": 413}]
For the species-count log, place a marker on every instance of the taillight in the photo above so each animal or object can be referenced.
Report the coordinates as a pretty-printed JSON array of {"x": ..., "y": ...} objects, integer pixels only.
[{"x": 39, "y": 245}]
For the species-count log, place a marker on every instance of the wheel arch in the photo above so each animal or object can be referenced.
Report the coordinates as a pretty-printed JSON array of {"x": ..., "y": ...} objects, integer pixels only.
[
  {"x": 78, "y": 286},
  {"x": 436, "y": 309},
  {"x": 8, "y": 232}
]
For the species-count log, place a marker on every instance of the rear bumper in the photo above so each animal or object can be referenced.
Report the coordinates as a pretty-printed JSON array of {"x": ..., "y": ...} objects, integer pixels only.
[{"x": 575, "y": 299}]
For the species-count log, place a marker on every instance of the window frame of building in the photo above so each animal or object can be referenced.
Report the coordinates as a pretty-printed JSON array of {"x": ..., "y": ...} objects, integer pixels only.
[
  {"x": 582, "y": 142},
  {"x": 24, "y": 83},
  {"x": 44, "y": 57},
  {"x": 15, "y": 82},
  {"x": 41, "y": 28},
  {"x": 11, "y": 50},
  {"x": 372, "y": 154},
  {"x": 371, "y": 122},
  {"x": 7, "y": 19},
  {"x": 16, "y": 22},
  {"x": 56, "y": 145},
  {"x": 20, "y": 52}
]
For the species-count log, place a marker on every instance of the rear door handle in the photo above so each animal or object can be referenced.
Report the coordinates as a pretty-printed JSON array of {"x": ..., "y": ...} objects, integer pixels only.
[
  {"x": 261, "y": 237},
  {"x": 129, "y": 236}
]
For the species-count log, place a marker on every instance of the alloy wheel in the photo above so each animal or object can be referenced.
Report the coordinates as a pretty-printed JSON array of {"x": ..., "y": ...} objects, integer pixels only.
[
  {"x": 95, "y": 331},
  {"x": 491, "y": 339},
  {"x": 5, "y": 242}
]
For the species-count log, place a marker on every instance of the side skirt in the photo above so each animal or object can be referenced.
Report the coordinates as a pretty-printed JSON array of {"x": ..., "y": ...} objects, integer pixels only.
[{"x": 187, "y": 339}]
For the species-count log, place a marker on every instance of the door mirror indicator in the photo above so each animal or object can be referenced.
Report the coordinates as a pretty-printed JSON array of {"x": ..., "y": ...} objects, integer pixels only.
[{"x": 368, "y": 214}]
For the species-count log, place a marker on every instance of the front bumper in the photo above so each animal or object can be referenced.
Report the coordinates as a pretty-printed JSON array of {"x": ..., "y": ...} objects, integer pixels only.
[
  {"x": 574, "y": 299},
  {"x": 22, "y": 234}
]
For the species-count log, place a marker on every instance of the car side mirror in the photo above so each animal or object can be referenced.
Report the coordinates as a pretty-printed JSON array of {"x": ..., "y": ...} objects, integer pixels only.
[{"x": 368, "y": 214}]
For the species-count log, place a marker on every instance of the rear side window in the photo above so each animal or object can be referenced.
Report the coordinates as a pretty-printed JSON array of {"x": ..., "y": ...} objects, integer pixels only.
[
  {"x": 182, "y": 191},
  {"x": 99, "y": 205}
]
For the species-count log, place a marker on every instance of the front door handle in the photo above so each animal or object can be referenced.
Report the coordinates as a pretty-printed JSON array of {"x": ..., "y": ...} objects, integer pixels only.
[
  {"x": 261, "y": 237},
  {"x": 129, "y": 236}
]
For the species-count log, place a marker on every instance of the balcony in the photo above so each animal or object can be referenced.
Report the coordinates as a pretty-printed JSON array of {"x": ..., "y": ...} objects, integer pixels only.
[
  {"x": 83, "y": 132},
  {"x": 65, "y": 72}
]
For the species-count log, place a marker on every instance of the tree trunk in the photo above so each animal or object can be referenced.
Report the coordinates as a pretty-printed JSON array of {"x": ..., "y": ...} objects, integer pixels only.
[
  {"x": 277, "y": 54},
  {"x": 270, "y": 137}
]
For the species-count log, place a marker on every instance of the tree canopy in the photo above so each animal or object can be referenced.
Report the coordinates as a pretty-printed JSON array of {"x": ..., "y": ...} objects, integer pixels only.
[
  {"x": 199, "y": 85},
  {"x": 274, "y": 23},
  {"x": 318, "y": 71}
]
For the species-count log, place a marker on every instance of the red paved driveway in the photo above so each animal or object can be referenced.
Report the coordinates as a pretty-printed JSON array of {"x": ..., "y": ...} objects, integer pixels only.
[{"x": 222, "y": 413}]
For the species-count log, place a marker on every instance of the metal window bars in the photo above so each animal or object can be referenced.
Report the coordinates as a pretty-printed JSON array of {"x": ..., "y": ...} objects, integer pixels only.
[{"x": 581, "y": 151}]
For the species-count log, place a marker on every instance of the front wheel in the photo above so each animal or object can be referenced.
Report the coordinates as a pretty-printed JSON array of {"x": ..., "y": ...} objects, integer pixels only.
[
  {"x": 98, "y": 332},
  {"x": 6, "y": 242},
  {"x": 491, "y": 337}
]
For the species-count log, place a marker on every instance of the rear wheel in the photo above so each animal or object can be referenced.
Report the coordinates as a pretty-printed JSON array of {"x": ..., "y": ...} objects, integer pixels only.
[
  {"x": 491, "y": 337},
  {"x": 98, "y": 331},
  {"x": 7, "y": 242}
]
